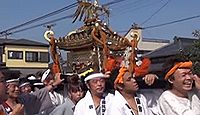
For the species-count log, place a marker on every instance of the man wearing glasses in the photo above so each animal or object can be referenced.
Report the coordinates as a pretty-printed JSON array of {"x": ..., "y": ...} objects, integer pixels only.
[{"x": 96, "y": 100}]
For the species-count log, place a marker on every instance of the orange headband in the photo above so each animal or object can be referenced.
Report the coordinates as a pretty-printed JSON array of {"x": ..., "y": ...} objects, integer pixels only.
[
  {"x": 178, "y": 65},
  {"x": 119, "y": 78}
]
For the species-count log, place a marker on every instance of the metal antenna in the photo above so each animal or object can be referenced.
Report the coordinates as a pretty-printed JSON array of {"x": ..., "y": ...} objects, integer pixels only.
[{"x": 49, "y": 26}]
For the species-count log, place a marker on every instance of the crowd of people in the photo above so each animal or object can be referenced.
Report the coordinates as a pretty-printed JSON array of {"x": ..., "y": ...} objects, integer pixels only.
[{"x": 91, "y": 94}]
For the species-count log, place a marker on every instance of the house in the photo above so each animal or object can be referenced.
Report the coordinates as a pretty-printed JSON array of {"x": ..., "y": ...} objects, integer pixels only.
[
  {"x": 160, "y": 55},
  {"x": 145, "y": 45},
  {"x": 23, "y": 55}
]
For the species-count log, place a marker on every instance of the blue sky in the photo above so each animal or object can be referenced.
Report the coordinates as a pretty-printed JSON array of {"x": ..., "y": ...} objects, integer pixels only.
[{"x": 123, "y": 15}]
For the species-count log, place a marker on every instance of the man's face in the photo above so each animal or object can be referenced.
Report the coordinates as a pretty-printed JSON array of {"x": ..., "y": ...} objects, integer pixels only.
[
  {"x": 130, "y": 84},
  {"x": 182, "y": 80},
  {"x": 3, "y": 95},
  {"x": 26, "y": 88},
  {"x": 49, "y": 80},
  {"x": 13, "y": 89},
  {"x": 97, "y": 86}
]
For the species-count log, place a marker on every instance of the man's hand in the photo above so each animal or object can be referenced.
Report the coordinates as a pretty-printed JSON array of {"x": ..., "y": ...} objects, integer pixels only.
[
  {"x": 197, "y": 81},
  {"x": 150, "y": 78},
  {"x": 107, "y": 74},
  {"x": 57, "y": 80},
  {"x": 18, "y": 110}
]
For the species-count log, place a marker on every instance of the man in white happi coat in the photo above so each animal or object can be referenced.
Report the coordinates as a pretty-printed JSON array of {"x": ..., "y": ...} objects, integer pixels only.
[
  {"x": 126, "y": 100},
  {"x": 96, "y": 100},
  {"x": 182, "y": 98}
]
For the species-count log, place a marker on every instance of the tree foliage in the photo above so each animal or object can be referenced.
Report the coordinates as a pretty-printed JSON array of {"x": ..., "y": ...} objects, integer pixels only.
[{"x": 193, "y": 53}]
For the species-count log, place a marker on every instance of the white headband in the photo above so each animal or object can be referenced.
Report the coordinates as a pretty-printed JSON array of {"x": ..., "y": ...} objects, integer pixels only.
[
  {"x": 23, "y": 84},
  {"x": 45, "y": 75},
  {"x": 38, "y": 84},
  {"x": 12, "y": 80},
  {"x": 31, "y": 78},
  {"x": 95, "y": 75}
]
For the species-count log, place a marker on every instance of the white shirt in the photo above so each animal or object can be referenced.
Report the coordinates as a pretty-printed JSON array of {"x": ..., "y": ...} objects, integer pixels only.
[
  {"x": 86, "y": 105},
  {"x": 170, "y": 104},
  {"x": 120, "y": 106},
  {"x": 152, "y": 96}
]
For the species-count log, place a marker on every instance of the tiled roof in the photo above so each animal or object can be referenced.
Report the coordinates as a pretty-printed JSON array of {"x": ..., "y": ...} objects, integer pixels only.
[
  {"x": 155, "y": 40},
  {"x": 178, "y": 45},
  {"x": 24, "y": 42}
]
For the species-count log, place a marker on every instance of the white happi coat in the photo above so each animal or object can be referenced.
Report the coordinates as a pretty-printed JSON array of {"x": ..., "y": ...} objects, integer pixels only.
[
  {"x": 152, "y": 96},
  {"x": 119, "y": 106},
  {"x": 86, "y": 105},
  {"x": 2, "y": 110},
  {"x": 56, "y": 98},
  {"x": 170, "y": 104}
]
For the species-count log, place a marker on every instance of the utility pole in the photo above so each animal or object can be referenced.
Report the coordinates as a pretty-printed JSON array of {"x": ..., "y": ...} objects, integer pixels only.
[{"x": 5, "y": 34}]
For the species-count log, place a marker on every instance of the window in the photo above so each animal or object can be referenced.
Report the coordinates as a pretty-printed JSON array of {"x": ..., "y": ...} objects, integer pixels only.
[
  {"x": 31, "y": 56},
  {"x": 37, "y": 57},
  {"x": 1, "y": 53},
  {"x": 15, "y": 55},
  {"x": 44, "y": 57}
]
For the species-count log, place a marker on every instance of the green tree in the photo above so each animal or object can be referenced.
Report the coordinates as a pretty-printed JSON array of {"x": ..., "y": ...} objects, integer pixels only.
[{"x": 194, "y": 53}]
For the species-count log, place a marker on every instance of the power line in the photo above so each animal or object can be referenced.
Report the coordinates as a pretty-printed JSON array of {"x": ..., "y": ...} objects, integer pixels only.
[
  {"x": 51, "y": 14},
  {"x": 156, "y": 12},
  {"x": 47, "y": 15},
  {"x": 164, "y": 24},
  {"x": 126, "y": 5},
  {"x": 113, "y": 2},
  {"x": 172, "y": 22},
  {"x": 42, "y": 17},
  {"x": 45, "y": 23}
]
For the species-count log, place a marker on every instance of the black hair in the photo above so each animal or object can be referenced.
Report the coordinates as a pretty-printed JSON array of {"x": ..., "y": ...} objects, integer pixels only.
[
  {"x": 73, "y": 79},
  {"x": 110, "y": 82},
  {"x": 74, "y": 84},
  {"x": 10, "y": 74}
]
